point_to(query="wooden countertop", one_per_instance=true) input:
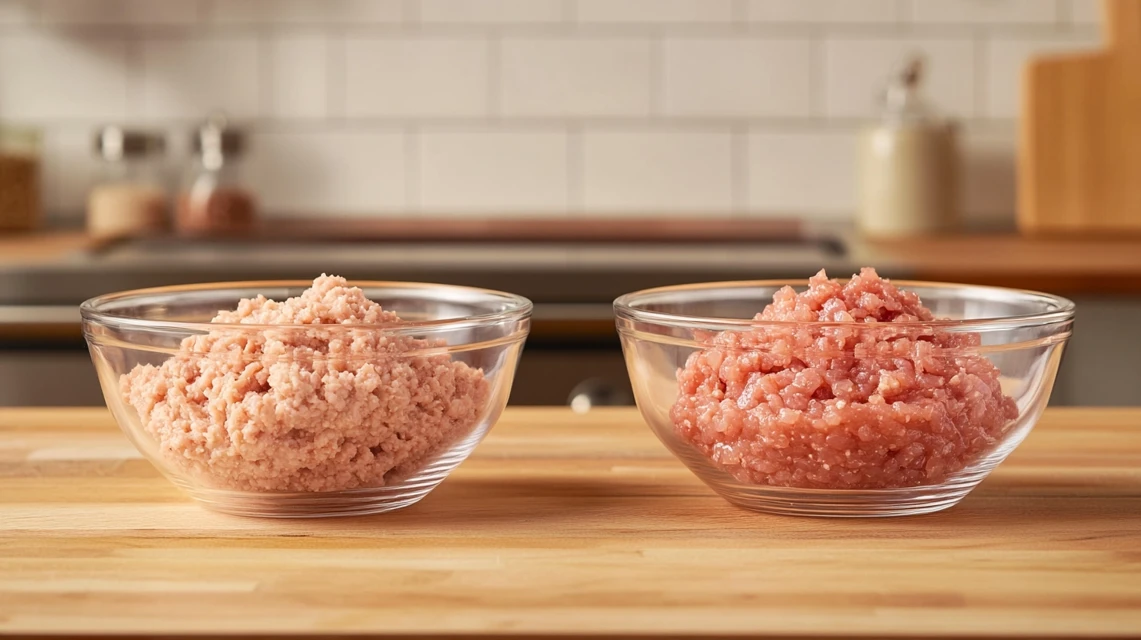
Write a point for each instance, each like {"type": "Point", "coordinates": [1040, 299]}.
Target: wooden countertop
{"type": "Point", "coordinates": [570, 525]}
{"type": "Point", "coordinates": [1057, 265]}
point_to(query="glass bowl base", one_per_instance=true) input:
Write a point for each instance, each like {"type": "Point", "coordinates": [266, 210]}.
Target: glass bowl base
{"type": "Point", "coordinates": [354, 502]}
{"type": "Point", "coordinates": [843, 504]}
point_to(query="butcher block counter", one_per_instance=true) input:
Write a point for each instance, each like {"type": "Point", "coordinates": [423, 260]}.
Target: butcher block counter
{"type": "Point", "coordinates": [569, 525]}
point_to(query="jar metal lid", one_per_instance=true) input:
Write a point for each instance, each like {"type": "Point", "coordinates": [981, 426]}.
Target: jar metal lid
{"type": "Point", "coordinates": [216, 137]}
{"type": "Point", "coordinates": [115, 143]}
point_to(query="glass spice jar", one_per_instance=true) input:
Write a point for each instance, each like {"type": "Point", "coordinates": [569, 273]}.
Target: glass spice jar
{"type": "Point", "coordinates": [213, 200]}
{"type": "Point", "coordinates": [130, 196]}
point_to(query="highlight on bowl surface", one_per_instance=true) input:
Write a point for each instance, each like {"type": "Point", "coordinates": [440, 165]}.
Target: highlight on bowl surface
{"type": "Point", "coordinates": [846, 398]}
{"type": "Point", "coordinates": [278, 399]}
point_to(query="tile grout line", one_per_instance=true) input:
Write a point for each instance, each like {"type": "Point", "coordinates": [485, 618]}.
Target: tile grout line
{"type": "Point", "coordinates": [575, 170]}
{"type": "Point", "coordinates": [739, 166]}
{"type": "Point", "coordinates": [336, 75]}
{"type": "Point", "coordinates": [265, 54]}
{"type": "Point", "coordinates": [657, 76]}
{"type": "Point", "coordinates": [494, 76]}
{"type": "Point", "coordinates": [134, 89]}
{"type": "Point", "coordinates": [981, 49]}
{"type": "Point", "coordinates": [817, 76]}
{"type": "Point", "coordinates": [412, 184]}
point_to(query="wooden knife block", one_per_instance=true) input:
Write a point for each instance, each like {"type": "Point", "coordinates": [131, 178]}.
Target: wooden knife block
{"type": "Point", "coordinates": [1080, 149]}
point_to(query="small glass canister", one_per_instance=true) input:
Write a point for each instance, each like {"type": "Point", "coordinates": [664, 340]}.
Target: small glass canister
{"type": "Point", "coordinates": [19, 178]}
{"type": "Point", "coordinates": [909, 164]}
{"type": "Point", "coordinates": [130, 197]}
{"type": "Point", "coordinates": [213, 199]}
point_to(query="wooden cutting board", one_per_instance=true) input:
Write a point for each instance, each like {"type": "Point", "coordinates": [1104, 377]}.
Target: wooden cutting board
{"type": "Point", "coordinates": [1080, 151]}
{"type": "Point", "coordinates": [563, 525]}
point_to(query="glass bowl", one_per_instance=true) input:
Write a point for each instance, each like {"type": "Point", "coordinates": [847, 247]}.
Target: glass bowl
{"type": "Point", "coordinates": [693, 351]}
{"type": "Point", "coordinates": [306, 420]}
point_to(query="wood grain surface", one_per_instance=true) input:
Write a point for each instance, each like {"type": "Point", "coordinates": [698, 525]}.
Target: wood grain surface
{"type": "Point", "coordinates": [1080, 149]}
{"type": "Point", "coordinates": [567, 525]}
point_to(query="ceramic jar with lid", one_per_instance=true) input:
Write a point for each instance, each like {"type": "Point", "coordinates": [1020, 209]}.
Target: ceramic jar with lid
{"type": "Point", "coordinates": [130, 197]}
{"type": "Point", "coordinates": [908, 164]}
{"type": "Point", "coordinates": [19, 178]}
{"type": "Point", "coordinates": [213, 199]}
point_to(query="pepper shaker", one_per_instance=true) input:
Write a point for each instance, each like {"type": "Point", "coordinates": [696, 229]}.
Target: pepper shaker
{"type": "Point", "coordinates": [213, 199]}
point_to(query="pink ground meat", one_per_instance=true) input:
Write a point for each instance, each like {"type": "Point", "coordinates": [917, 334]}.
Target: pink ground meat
{"type": "Point", "coordinates": [869, 403]}
{"type": "Point", "coordinates": [319, 409]}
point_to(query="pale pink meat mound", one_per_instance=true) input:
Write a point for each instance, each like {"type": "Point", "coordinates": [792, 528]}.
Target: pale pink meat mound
{"type": "Point", "coordinates": [869, 403]}
{"type": "Point", "coordinates": [299, 409]}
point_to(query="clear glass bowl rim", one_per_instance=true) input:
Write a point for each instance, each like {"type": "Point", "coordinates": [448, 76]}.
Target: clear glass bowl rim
{"type": "Point", "coordinates": [516, 307]}
{"type": "Point", "coordinates": [1056, 309]}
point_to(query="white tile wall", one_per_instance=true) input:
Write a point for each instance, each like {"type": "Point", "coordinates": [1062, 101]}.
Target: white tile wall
{"type": "Point", "coordinates": [416, 77]}
{"type": "Point", "coordinates": [544, 107]}
{"type": "Point", "coordinates": [572, 77]}
{"type": "Point", "coordinates": [157, 12]}
{"type": "Point", "coordinates": [656, 172]}
{"type": "Point", "coordinates": [297, 81]}
{"type": "Point", "coordinates": [185, 77]}
{"type": "Point", "coordinates": [80, 77]}
{"type": "Point", "coordinates": [654, 11]}
{"type": "Point", "coordinates": [857, 69]}
{"type": "Point", "coordinates": [1084, 12]}
{"type": "Point", "coordinates": [824, 11]}
{"type": "Point", "coordinates": [802, 173]}
{"type": "Point", "coordinates": [984, 12]}
{"type": "Point", "coordinates": [506, 171]}
{"type": "Point", "coordinates": [1005, 60]}
{"type": "Point", "coordinates": [349, 12]}
{"type": "Point", "coordinates": [16, 11]}
{"type": "Point", "coordinates": [357, 172]}
{"type": "Point", "coordinates": [742, 77]}
{"type": "Point", "coordinates": [466, 12]}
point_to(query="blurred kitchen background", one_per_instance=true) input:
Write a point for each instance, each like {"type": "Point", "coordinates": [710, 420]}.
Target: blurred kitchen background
{"type": "Point", "coordinates": [566, 150]}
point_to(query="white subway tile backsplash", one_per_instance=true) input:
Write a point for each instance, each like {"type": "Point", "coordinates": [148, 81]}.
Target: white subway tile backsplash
{"type": "Point", "coordinates": [824, 11]}
{"type": "Point", "coordinates": [493, 171]}
{"type": "Point", "coordinates": [298, 76]}
{"type": "Point", "coordinates": [410, 76]}
{"type": "Point", "coordinates": [812, 174]}
{"type": "Point", "coordinates": [13, 12]}
{"type": "Point", "coordinates": [652, 172]}
{"type": "Point", "coordinates": [857, 69]}
{"type": "Point", "coordinates": [187, 77]}
{"type": "Point", "coordinates": [336, 172]}
{"type": "Point", "coordinates": [490, 11]}
{"type": "Point", "coordinates": [741, 77]}
{"type": "Point", "coordinates": [984, 12]}
{"type": "Point", "coordinates": [654, 11]}
{"type": "Point", "coordinates": [575, 76]}
{"type": "Point", "coordinates": [1006, 59]}
{"type": "Point", "coordinates": [349, 12]}
{"type": "Point", "coordinates": [69, 171]}
{"type": "Point", "coordinates": [78, 77]}
{"type": "Point", "coordinates": [544, 107]}
{"type": "Point", "coordinates": [135, 12]}
{"type": "Point", "coordinates": [1085, 12]}
{"type": "Point", "coordinates": [989, 176]}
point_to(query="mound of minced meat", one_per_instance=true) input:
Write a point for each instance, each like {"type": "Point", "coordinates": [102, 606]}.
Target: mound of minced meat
{"type": "Point", "coordinates": [867, 403]}
{"type": "Point", "coordinates": [305, 409]}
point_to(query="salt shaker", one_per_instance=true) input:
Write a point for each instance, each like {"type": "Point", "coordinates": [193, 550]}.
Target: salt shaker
{"type": "Point", "coordinates": [908, 164]}
{"type": "Point", "coordinates": [130, 197]}
{"type": "Point", "coordinates": [213, 199]}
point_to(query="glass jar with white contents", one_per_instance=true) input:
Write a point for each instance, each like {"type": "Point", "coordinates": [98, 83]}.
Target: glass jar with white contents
{"type": "Point", "coordinates": [130, 197]}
